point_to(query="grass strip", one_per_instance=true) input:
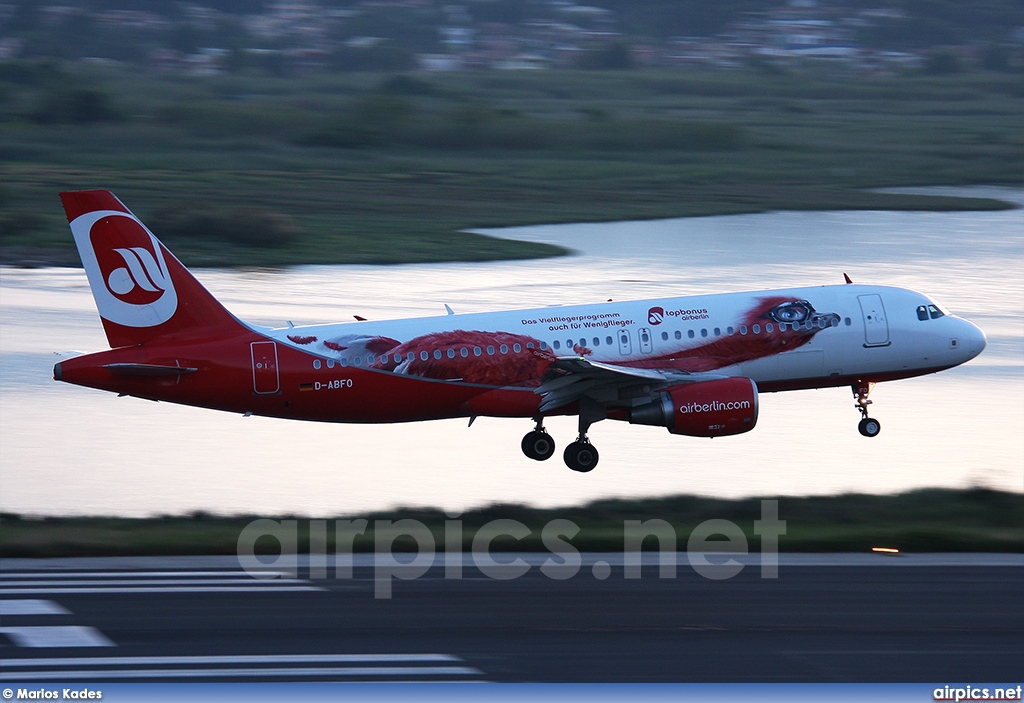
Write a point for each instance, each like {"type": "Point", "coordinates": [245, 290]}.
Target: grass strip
{"type": "Point", "coordinates": [926, 520]}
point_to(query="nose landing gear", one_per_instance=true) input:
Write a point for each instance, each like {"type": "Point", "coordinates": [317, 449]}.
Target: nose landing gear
{"type": "Point", "coordinates": [868, 426]}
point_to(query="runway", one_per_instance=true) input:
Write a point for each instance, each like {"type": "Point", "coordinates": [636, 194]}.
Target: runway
{"type": "Point", "coordinates": [825, 618]}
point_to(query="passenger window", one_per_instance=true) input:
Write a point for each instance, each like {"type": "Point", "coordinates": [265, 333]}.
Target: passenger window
{"type": "Point", "coordinates": [608, 340]}
{"type": "Point", "coordinates": [558, 345]}
{"type": "Point", "coordinates": [645, 338]}
{"type": "Point", "coordinates": [597, 341]}
{"type": "Point", "coordinates": [424, 356]}
{"type": "Point", "coordinates": [463, 352]}
{"type": "Point", "coordinates": [689, 333]}
{"type": "Point", "coordinates": [477, 351]}
{"type": "Point", "coordinates": [344, 361]}
{"type": "Point", "coordinates": [743, 329]}
{"type": "Point", "coordinates": [664, 336]}
{"type": "Point", "coordinates": [757, 329]}
{"type": "Point", "coordinates": [437, 353]}
{"type": "Point", "coordinates": [316, 363]}
{"type": "Point", "coordinates": [718, 331]}
{"type": "Point", "coordinates": [490, 349]}
{"type": "Point", "coordinates": [679, 335]}
{"type": "Point", "coordinates": [358, 361]}
{"type": "Point", "coordinates": [730, 331]}
{"type": "Point", "coordinates": [529, 345]}
{"type": "Point", "coordinates": [769, 327]}
{"type": "Point", "coordinates": [517, 348]}
{"type": "Point", "coordinates": [544, 345]}
{"type": "Point", "coordinates": [504, 349]}
{"type": "Point", "coordinates": [451, 353]}
{"type": "Point", "coordinates": [583, 342]}
{"type": "Point", "coordinates": [848, 322]}
{"type": "Point", "coordinates": [703, 333]}
{"type": "Point", "coordinates": [936, 313]}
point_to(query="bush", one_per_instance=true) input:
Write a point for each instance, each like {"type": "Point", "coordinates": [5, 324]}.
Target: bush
{"type": "Point", "coordinates": [247, 227]}
{"type": "Point", "coordinates": [942, 63]}
{"type": "Point", "coordinates": [995, 58]}
{"type": "Point", "coordinates": [78, 106]}
{"type": "Point", "coordinates": [14, 225]}
{"type": "Point", "coordinates": [612, 57]}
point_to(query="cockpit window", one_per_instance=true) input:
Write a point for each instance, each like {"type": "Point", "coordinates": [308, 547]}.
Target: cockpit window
{"type": "Point", "coordinates": [922, 312]}
{"type": "Point", "coordinates": [935, 311]}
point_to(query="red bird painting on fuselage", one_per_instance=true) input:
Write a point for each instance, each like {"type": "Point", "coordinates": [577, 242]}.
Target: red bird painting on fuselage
{"type": "Point", "coordinates": [775, 325]}
{"type": "Point", "coordinates": [782, 324]}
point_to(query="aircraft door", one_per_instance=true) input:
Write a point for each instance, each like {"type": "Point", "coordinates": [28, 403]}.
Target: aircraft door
{"type": "Point", "coordinates": [646, 345]}
{"type": "Point", "coordinates": [265, 379]}
{"type": "Point", "coordinates": [876, 327]}
{"type": "Point", "coordinates": [625, 345]}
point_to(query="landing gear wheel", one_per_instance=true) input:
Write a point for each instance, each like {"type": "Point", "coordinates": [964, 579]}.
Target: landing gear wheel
{"type": "Point", "coordinates": [869, 427]}
{"type": "Point", "coordinates": [538, 445]}
{"type": "Point", "coordinates": [580, 456]}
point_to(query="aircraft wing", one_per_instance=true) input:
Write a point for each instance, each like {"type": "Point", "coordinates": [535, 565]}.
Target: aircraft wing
{"type": "Point", "coordinates": [570, 378]}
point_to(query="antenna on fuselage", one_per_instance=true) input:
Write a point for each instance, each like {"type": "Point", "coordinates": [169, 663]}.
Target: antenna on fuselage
{"type": "Point", "coordinates": [847, 278]}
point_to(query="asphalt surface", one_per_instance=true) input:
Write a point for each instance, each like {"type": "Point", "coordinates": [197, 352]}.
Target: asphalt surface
{"type": "Point", "coordinates": [827, 618]}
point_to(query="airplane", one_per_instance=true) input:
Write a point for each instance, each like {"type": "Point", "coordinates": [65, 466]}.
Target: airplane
{"type": "Point", "coordinates": [694, 365]}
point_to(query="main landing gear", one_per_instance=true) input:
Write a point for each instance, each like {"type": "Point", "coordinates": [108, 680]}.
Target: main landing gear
{"type": "Point", "coordinates": [868, 426]}
{"type": "Point", "coordinates": [580, 455]}
{"type": "Point", "coordinates": [538, 444]}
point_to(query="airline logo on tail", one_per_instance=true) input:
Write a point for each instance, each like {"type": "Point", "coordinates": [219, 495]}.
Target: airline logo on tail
{"type": "Point", "coordinates": [126, 269]}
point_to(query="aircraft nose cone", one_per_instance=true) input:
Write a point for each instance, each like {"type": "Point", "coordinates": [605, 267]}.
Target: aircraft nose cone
{"type": "Point", "coordinates": [58, 373]}
{"type": "Point", "coordinates": [974, 340]}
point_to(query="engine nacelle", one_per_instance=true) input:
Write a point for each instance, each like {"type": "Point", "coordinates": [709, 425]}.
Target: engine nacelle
{"type": "Point", "coordinates": [725, 406]}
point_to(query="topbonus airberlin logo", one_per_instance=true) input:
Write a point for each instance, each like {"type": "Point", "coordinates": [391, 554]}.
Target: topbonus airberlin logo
{"type": "Point", "coordinates": [126, 269]}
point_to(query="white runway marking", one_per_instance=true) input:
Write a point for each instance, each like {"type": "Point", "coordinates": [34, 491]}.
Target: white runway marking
{"type": "Point", "coordinates": [57, 636]}
{"type": "Point", "coordinates": [141, 574]}
{"type": "Point", "coordinates": [78, 582]}
{"type": "Point", "coordinates": [152, 582]}
{"type": "Point", "coordinates": [56, 589]}
{"type": "Point", "coordinates": [232, 659]}
{"type": "Point", "coordinates": [367, 671]}
{"type": "Point", "coordinates": [32, 606]}
{"type": "Point", "coordinates": [379, 667]}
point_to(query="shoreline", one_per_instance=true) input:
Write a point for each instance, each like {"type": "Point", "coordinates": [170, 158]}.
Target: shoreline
{"type": "Point", "coordinates": [887, 199]}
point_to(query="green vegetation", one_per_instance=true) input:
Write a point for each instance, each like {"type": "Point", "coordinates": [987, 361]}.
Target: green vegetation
{"type": "Point", "coordinates": [247, 169]}
{"type": "Point", "coordinates": [974, 520]}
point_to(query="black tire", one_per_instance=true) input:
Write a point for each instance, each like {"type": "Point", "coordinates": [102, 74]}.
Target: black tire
{"type": "Point", "coordinates": [538, 445]}
{"type": "Point", "coordinates": [869, 427]}
{"type": "Point", "coordinates": [581, 456]}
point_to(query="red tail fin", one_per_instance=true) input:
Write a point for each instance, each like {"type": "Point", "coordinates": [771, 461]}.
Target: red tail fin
{"type": "Point", "coordinates": [141, 290]}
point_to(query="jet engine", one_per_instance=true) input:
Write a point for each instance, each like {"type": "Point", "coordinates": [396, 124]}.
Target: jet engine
{"type": "Point", "coordinates": [715, 408]}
